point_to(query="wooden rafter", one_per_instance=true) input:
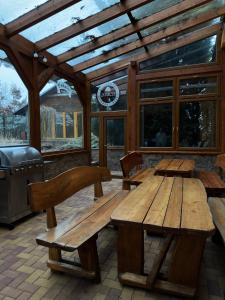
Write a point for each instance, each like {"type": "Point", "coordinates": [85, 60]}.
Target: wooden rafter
{"type": "Point", "coordinates": [162, 34]}
{"type": "Point", "coordinates": [161, 49]}
{"type": "Point", "coordinates": [132, 28]}
{"type": "Point", "coordinates": [36, 15]}
{"type": "Point", "coordinates": [27, 48]}
{"type": "Point", "coordinates": [89, 23]}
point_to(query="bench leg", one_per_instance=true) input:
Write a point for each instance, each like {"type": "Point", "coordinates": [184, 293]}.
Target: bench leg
{"type": "Point", "coordinates": [126, 186]}
{"type": "Point", "coordinates": [130, 248]}
{"type": "Point", "coordinates": [89, 257]}
{"type": "Point", "coordinates": [186, 261]}
{"type": "Point", "coordinates": [54, 254]}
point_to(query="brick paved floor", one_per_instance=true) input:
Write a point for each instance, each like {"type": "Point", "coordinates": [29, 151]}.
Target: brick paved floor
{"type": "Point", "coordinates": [24, 274]}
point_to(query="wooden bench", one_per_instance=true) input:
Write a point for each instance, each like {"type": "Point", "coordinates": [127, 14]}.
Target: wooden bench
{"type": "Point", "coordinates": [132, 168]}
{"type": "Point", "coordinates": [217, 207]}
{"type": "Point", "coordinates": [78, 232]}
{"type": "Point", "coordinates": [213, 181]}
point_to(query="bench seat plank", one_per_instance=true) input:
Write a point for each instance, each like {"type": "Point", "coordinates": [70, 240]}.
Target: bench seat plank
{"type": "Point", "coordinates": [49, 237]}
{"type": "Point", "coordinates": [217, 206]}
{"type": "Point", "coordinates": [140, 176]}
{"type": "Point", "coordinates": [90, 225]}
{"type": "Point", "coordinates": [211, 181]}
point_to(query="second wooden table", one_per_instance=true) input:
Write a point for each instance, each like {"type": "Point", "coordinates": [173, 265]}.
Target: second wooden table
{"type": "Point", "coordinates": [175, 167]}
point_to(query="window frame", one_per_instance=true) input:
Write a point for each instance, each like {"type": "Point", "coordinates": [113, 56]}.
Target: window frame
{"type": "Point", "coordinates": [176, 113]}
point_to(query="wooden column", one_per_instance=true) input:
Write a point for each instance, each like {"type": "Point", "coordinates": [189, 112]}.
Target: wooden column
{"type": "Point", "coordinates": [132, 107]}
{"type": "Point", "coordinates": [64, 124]}
{"type": "Point", "coordinates": [222, 125]}
{"type": "Point", "coordinates": [75, 124]}
{"type": "Point", "coordinates": [35, 130]}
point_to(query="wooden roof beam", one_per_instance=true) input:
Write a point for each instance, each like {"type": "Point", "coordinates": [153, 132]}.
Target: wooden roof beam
{"type": "Point", "coordinates": [162, 34]}
{"type": "Point", "coordinates": [161, 49]}
{"type": "Point", "coordinates": [28, 48]}
{"type": "Point", "coordinates": [89, 23]}
{"type": "Point", "coordinates": [37, 15]}
{"type": "Point", "coordinates": [130, 29]}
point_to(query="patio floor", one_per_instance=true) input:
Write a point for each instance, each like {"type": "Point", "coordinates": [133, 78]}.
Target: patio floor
{"type": "Point", "coordinates": [24, 274]}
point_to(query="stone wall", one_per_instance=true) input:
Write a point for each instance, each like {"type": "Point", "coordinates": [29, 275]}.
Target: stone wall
{"type": "Point", "coordinates": [201, 161]}
{"type": "Point", "coordinates": [65, 162]}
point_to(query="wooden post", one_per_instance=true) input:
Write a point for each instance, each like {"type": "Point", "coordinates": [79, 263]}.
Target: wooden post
{"type": "Point", "coordinates": [222, 131]}
{"type": "Point", "coordinates": [132, 107]}
{"type": "Point", "coordinates": [75, 124]}
{"type": "Point", "coordinates": [35, 119]}
{"type": "Point", "coordinates": [64, 124]}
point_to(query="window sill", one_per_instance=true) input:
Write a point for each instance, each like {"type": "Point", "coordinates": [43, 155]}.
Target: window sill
{"type": "Point", "coordinates": [55, 154]}
{"type": "Point", "coordinates": [168, 151]}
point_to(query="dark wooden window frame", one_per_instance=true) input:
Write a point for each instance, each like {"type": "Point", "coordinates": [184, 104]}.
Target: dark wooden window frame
{"type": "Point", "coordinates": [175, 101]}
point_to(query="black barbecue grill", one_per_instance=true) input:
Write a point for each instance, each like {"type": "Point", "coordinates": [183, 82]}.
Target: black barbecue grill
{"type": "Point", "coordinates": [18, 167]}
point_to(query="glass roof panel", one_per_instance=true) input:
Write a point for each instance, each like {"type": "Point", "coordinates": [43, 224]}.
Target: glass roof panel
{"type": "Point", "coordinates": [13, 9]}
{"type": "Point", "coordinates": [90, 35]}
{"type": "Point", "coordinates": [69, 16]}
{"type": "Point", "coordinates": [3, 55]}
{"type": "Point", "coordinates": [114, 60]}
{"type": "Point", "coordinates": [152, 8]}
{"type": "Point", "coordinates": [104, 49]}
{"type": "Point", "coordinates": [183, 17]}
{"type": "Point", "coordinates": [202, 51]}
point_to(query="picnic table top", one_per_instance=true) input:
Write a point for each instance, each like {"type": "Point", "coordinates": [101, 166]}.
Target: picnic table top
{"type": "Point", "coordinates": [171, 204]}
{"type": "Point", "coordinates": [176, 165]}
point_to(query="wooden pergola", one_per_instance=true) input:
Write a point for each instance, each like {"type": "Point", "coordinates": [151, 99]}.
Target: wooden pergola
{"type": "Point", "coordinates": [35, 73]}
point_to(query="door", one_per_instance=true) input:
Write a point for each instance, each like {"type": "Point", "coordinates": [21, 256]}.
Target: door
{"type": "Point", "coordinates": [114, 141]}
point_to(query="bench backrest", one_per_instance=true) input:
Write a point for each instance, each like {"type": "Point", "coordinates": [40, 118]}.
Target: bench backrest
{"type": "Point", "coordinates": [130, 161]}
{"type": "Point", "coordinates": [44, 195]}
{"type": "Point", "coordinates": [220, 163]}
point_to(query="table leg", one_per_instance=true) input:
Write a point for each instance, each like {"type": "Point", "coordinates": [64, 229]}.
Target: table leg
{"type": "Point", "coordinates": [130, 248]}
{"type": "Point", "coordinates": [186, 260]}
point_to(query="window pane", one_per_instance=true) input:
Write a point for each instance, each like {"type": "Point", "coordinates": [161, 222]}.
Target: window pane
{"type": "Point", "coordinates": [110, 93]}
{"type": "Point", "coordinates": [160, 89]}
{"type": "Point", "coordinates": [198, 124]}
{"type": "Point", "coordinates": [156, 125]}
{"type": "Point", "coordinates": [198, 86]}
{"type": "Point", "coordinates": [200, 52]}
{"type": "Point", "coordinates": [11, 10]}
{"type": "Point", "coordinates": [152, 8]}
{"type": "Point", "coordinates": [69, 16]}
{"type": "Point", "coordinates": [103, 50]}
{"type": "Point", "coordinates": [90, 35]}
{"type": "Point", "coordinates": [61, 116]}
{"type": "Point", "coordinates": [94, 132]}
{"type": "Point", "coordinates": [115, 132]}
{"type": "Point", "coordinates": [14, 108]}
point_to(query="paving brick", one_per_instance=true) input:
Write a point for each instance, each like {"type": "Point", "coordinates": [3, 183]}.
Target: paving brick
{"type": "Point", "coordinates": [26, 269]}
{"type": "Point", "coordinates": [24, 296]}
{"type": "Point", "coordinates": [28, 287]}
{"type": "Point", "coordinates": [11, 292]}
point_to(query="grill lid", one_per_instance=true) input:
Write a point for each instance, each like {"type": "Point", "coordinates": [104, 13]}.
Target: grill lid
{"type": "Point", "coordinates": [19, 156]}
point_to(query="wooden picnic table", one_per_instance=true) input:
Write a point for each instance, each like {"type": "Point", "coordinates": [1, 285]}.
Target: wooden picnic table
{"type": "Point", "coordinates": [173, 167]}
{"type": "Point", "coordinates": [173, 205]}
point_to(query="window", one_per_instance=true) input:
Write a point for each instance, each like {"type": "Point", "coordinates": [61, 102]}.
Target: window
{"type": "Point", "coordinates": [156, 125]}
{"type": "Point", "coordinates": [14, 108]}
{"type": "Point", "coordinates": [156, 89]}
{"type": "Point", "coordinates": [110, 93]}
{"type": "Point", "coordinates": [179, 115]}
{"type": "Point", "coordinates": [197, 124]}
{"type": "Point", "coordinates": [198, 86]}
{"type": "Point", "coordinates": [61, 116]}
